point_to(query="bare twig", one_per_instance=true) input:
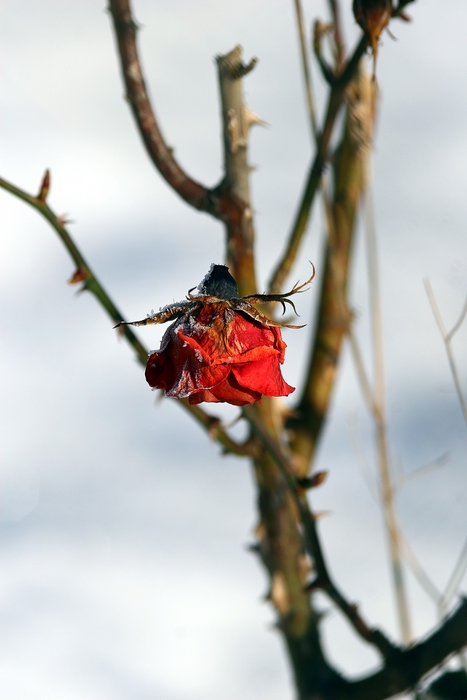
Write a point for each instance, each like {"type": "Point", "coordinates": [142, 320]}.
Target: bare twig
{"type": "Point", "coordinates": [418, 471]}
{"type": "Point", "coordinates": [306, 69]}
{"type": "Point", "coordinates": [409, 555]}
{"type": "Point", "coordinates": [161, 155]}
{"type": "Point", "coordinates": [225, 202]}
{"type": "Point", "coordinates": [379, 415]}
{"type": "Point", "coordinates": [90, 282]}
{"type": "Point", "coordinates": [337, 31]}
{"type": "Point", "coordinates": [403, 668]}
{"type": "Point", "coordinates": [447, 337]}
{"type": "Point", "coordinates": [454, 581]}
{"type": "Point", "coordinates": [408, 666]}
{"type": "Point", "coordinates": [362, 461]}
{"type": "Point", "coordinates": [333, 315]}
{"type": "Point", "coordinates": [418, 571]}
{"type": "Point", "coordinates": [459, 321]}
{"type": "Point", "coordinates": [287, 260]}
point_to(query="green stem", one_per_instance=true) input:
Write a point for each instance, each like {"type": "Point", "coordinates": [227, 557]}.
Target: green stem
{"type": "Point", "coordinates": [336, 98]}
{"type": "Point", "coordinates": [92, 284]}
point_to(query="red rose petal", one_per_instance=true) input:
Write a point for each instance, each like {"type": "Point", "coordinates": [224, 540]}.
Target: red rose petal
{"type": "Point", "coordinates": [227, 391]}
{"type": "Point", "coordinates": [263, 376]}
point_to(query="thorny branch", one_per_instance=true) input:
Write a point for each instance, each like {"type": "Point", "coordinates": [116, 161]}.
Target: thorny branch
{"type": "Point", "coordinates": [408, 666]}
{"type": "Point", "coordinates": [90, 283]}
{"type": "Point", "coordinates": [323, 579]}
{"type": "Point", "coordinates": [402, 668]}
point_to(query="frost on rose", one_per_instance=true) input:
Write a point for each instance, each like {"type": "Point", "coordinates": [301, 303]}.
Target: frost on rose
{"type": "Point", "coordinates": [219, 348]}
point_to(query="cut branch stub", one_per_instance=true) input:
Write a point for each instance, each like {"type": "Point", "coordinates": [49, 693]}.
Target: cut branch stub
{"type": "Point", "coordinates": [237, 120]}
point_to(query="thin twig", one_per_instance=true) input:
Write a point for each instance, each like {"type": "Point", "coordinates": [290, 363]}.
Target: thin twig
{"type": "Point", "coordinates": [92, 284]}
{"type": "Point", "coordinates": [418, 471]}
{"type": "Point", "coordinates": [459, 322]}
{"type": "Point", "coordinates": [447, 342]}
{"type": "Point", "coordinates": [409, 556]}
{"type": "Point", "coordinates": [323, 577]}
{"type": "Point", "coordinates": [333, 315]}
{"type": "Point", "coordinates": [338, 35]}
{"type": "Point", "coordinates": [418, 571]}
{"type": "Point", "coordinates": [454, 581]}
{"type": "Point", "coordinates": [306, 69]}
{"type": "Point", "coordinates": [362, 461]}
{"type": "Point", "coordinates": [362, 375]}
{"type": "Point", "coordinates": [387, 488]}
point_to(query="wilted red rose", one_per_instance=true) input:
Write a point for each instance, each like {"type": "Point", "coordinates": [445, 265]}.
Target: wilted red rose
{"type": "Point", "coordinates": [219, 355]}
{"type": "Point", "coordinates": [220, 348]}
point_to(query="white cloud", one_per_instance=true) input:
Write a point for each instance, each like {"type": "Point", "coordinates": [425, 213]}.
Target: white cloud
{"type": "Point", "coordinates": [127, 576]}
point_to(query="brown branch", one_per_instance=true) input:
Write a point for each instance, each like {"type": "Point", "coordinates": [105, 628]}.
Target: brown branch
{"type": "Point", "coordinates": [333, 315]}
{"type": "Point", "coordinates": [337, 31]}
{"type": "Point", "coordinates": [90, 283]}
{"type": "Point", "coordinates": [161, 155]}
{"type": "Point", "coordinates": [403, 668]}
{"type": "Point", "coordinates": [336, 97]}
{"type": "Point", "coordinates": [323, 578]}
{"type": "Point", "coordinates": [226, 201]}
{"type": "Point", "coordinates": [408, 666]}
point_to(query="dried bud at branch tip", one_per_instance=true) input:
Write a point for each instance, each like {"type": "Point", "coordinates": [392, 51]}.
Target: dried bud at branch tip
{"type": "Point", "coordinates": [311, 482]}
{"type": "Point", "coordinates": [44, 188]}
{"type": "Point", "coordinates": [78, 276]}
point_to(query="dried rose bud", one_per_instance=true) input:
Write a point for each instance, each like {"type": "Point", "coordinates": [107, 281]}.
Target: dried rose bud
{"type": "Point", "coordinates": [78, 276]}
{"type": "Point", "coordinates": [312, 481]}
{"type": "Point", "coordinates": [219, 348]}
{"type": "Point", "coordinates": [373, 16]}
{"type": "Point", "coordinates": [44, 188]}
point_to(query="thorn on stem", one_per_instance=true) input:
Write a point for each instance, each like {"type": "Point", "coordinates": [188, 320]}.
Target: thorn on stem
{"type": "Point", "coordinates": [63, 220]}
{"type": "Point", "coordinates": [314, 585]}
{"type": "Point", "coordinates": [120, 329]}
{"type": "Point", "coordinates": [311, 482]}
{"type": "Point", "coordinates": [253, 547]}
{"type": "Point", "coordinates": [213, 426]}
{"type": "Point", "coordinates": [79, 276]}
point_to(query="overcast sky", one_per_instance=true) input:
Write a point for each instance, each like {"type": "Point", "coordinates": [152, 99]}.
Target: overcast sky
{"type": "Point", "coordinates": [123, 530]}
